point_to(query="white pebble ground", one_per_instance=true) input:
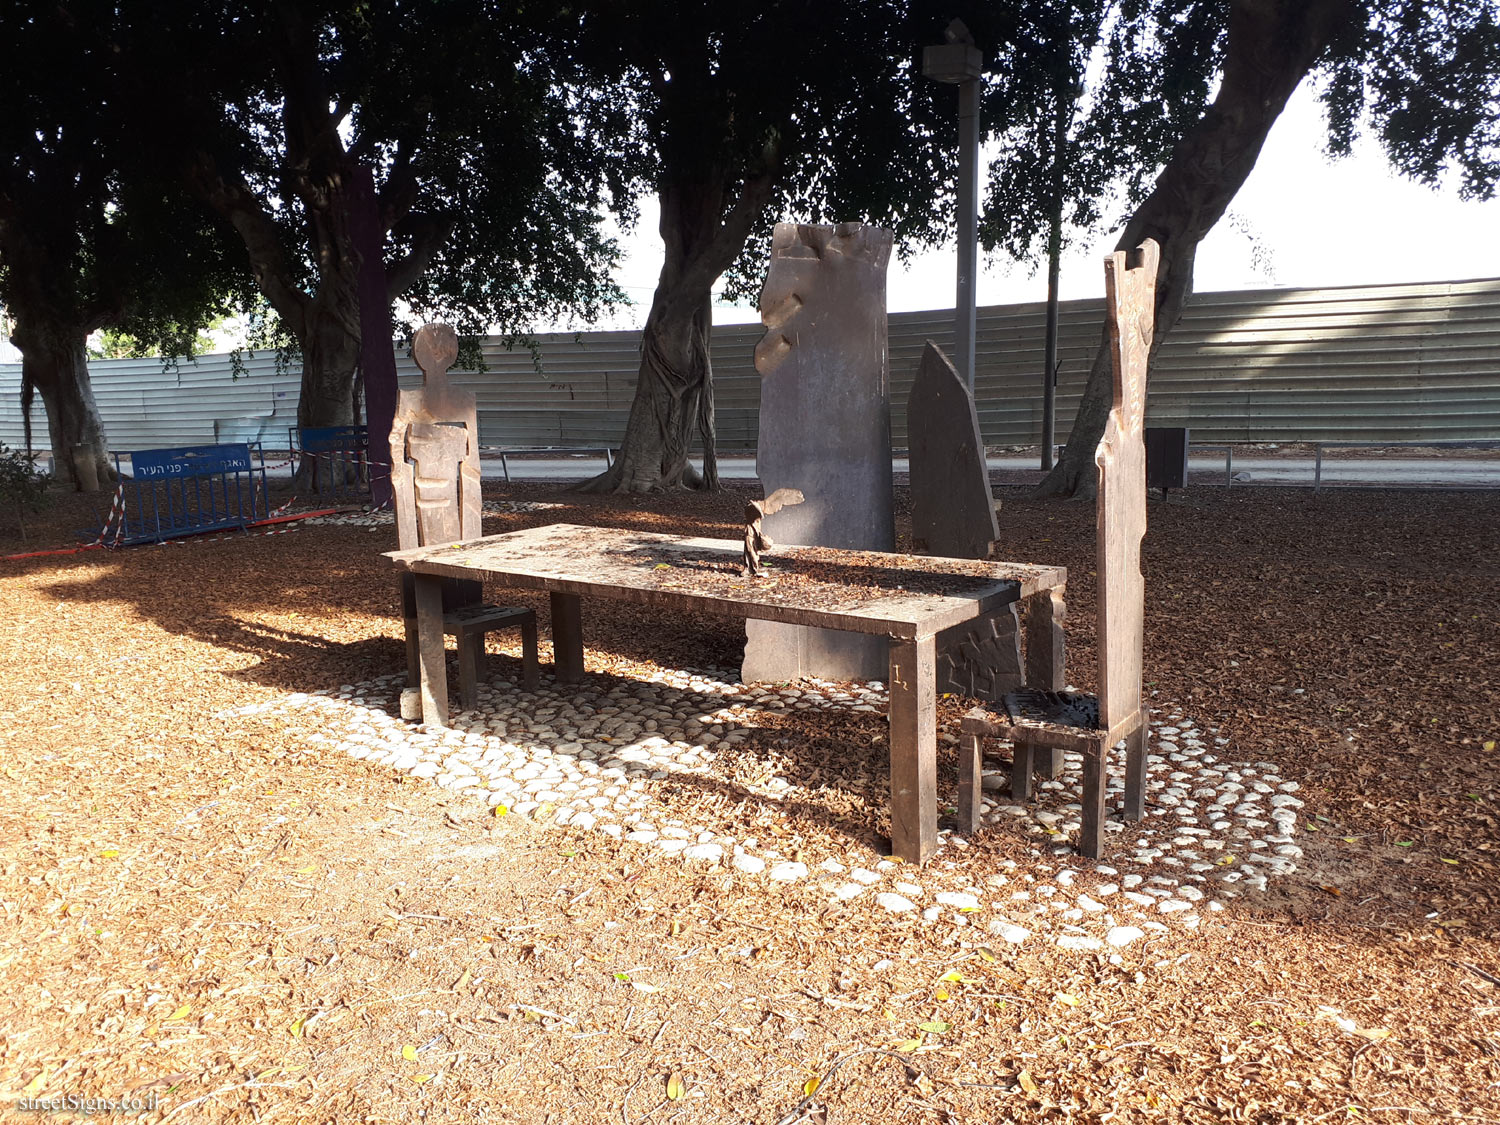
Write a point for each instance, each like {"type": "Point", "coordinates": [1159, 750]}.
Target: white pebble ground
{"type": "Point", "coordinates": [589, 755]}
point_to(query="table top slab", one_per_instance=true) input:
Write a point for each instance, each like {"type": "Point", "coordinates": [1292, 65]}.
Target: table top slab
{"type": "Point", "coordinates": [858, 591]}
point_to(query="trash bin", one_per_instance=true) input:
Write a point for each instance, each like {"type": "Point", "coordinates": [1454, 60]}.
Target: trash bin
{"type": "Point", "coordinates": [1166, 457]}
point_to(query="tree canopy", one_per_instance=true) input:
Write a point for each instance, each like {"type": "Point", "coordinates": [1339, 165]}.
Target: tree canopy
{"type": "Point", "coordinates": [486, 176]}
{"type": "Point", "coordinates": [1082, 105]}
{"type": "Point", "coordinates": [1422, 75]}
{"type": "Point", "coordinates": [754, 113]}
{"type": "Point", "coordinates": [92, 232]}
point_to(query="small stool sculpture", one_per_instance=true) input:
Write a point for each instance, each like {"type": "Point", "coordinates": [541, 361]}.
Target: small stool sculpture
{"type": "Point", "coordinates": [1093, 724]}
{"type": "Point", "coordinates": [435, 494]}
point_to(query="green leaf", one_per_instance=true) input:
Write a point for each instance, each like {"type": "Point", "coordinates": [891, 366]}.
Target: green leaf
{"type": "Point", "coordinates": [935, 1027]}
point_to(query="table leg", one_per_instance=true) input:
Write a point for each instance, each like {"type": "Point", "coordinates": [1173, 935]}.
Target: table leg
{"type": "Point", "coordinates": [567, 637]}
{"type": "Point", "coordinates": [529, 671]}
{"type": "Point", "coordinates": [970, 782]}
{"type": "Point", "coordinates": [430, 654]}
{"type": "Point", "coordinates": [1025, 756]}
{"type": "Point", "coordinates": [1135, 769]}
{"type": "Point", "coordinates": [913, 737]}
{"type": "Point", "coordinates": [1045, 657]}
{"type": "Point", "coordinates": [1045, 644]}
{"type": "Point", "coordinates": [1091, 833]}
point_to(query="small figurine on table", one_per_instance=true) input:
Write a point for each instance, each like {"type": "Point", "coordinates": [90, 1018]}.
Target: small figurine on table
{"type": "Point", "coordinates": [756, 540]}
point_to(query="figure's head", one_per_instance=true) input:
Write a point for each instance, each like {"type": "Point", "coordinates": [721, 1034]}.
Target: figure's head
{"type": "Point", "coordinates": [435, 348]}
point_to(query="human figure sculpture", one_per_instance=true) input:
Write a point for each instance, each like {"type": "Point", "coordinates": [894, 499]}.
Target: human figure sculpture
{"type": "Point", "coordinates": [434, 443]}
{"type": "Point", "coordinates": [756, 540]}
{"type": "Point", "coordinates": [435, 451]}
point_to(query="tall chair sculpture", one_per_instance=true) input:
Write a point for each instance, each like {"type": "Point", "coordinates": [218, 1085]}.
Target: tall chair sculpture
{"type": "Point", "coordinates": [1094, 724]}
{"type": "Point", "coordinates": [435, 494]}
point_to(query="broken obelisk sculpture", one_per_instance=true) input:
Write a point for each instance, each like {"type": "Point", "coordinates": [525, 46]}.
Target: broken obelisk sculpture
{"type": "Point", "coordinates": [825, 427]}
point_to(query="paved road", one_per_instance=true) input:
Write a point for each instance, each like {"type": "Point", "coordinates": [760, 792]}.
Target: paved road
{"type": "Point", "coordinates": [1447, 472]}
{"type": "Point", "coordinates": [1204, 469]}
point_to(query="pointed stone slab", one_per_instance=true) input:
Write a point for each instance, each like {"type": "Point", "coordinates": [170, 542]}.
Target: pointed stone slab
{"type": "Point", "coordinates": [953, 514]}
{"type": "Point", "coordinates": [952, 507]}
{"type": "Point", "coordinates": [825, 426]}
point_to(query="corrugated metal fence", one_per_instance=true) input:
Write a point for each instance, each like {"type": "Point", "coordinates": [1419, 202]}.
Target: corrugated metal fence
{"type": "Point", "coordinates": [1382, 363]}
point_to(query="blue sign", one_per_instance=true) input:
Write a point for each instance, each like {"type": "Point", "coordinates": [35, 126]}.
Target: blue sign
{"type": "Point", "coordinates": [331, 439]}
{"type": "Point", "coordinates": [189, 461]}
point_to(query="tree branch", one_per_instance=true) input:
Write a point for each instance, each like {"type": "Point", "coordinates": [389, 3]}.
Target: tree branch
{"type": "Point", "coordinates": [399, 194]}
{"type": "Point", "coordinates": [101, 312]}
{"type": "Point", "coordinates": [268, 261]}
{"type": "Point", "coordinates": [719, 253]}
{"type": "Point", "coordinates": [428, 233]}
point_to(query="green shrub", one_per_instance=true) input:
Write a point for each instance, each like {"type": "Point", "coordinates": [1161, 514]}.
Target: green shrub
{"type": "Point", "coordinates": [23, 487]}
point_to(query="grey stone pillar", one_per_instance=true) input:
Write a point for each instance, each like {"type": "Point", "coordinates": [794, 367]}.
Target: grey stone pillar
{"type": "Point", "coordinates": [825, 427]}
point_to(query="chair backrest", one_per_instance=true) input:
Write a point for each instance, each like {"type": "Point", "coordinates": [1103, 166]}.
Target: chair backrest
{"type": "Point", "coordinates": [435, 450]}
{"type": "Point", "coordinates": [1130, 307]}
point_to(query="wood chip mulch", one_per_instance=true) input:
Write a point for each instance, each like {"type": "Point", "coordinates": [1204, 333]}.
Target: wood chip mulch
{"type": "Point", "coordinates": [211, 912]}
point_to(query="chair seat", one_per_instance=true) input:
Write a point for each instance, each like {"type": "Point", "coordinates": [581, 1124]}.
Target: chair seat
{"type": "Point", "coordinates": [469, 624]}
{"type": "Point", "coordinates": [1073, 715]}
{"type": "Point", "coordinates": [1062, 720]}
{"type": "Point", "coordinates": [485, 616]}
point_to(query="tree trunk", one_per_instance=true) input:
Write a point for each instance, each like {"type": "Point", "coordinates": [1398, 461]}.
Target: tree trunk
{"type": "Point", "coordinates": [1272, 45]}
{"type": "Point", "coordinates": [377, 356]}
{"type": "Point", "coordinates": [673, 401]}
{"type": "Point", "coordinates": [330, 355]}
{"type": "Point", "coordinates": [674, 389]}
{"type": "Point", "coordinates": [331, 345]}
{"type": "Point", "coordinates": [54, 361]}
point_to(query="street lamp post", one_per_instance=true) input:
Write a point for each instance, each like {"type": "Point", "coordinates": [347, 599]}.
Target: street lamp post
{"type": "Point", "coordinates": [958, 62]}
